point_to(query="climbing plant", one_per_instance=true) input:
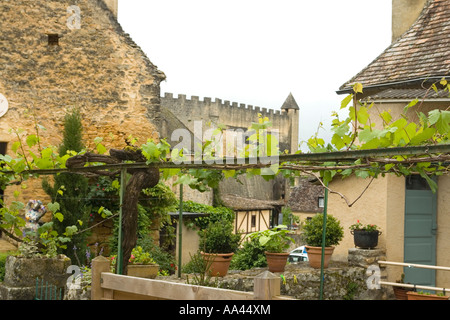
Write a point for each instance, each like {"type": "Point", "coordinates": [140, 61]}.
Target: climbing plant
{"type": "Point", "coordinates": [358, 148]}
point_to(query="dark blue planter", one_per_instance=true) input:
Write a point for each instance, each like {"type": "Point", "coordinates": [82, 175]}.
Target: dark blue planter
{"type": "Point", "coordinates": [365, 239]}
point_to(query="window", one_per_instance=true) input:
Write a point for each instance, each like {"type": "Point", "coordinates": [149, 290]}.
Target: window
{"type": "Point", "coordinates": [321, 202]}
{"type": "Point", "coordinates": [3, 146]}
{"type": "Point", "coordinates": [53, 39]}
{"type": "Point", "coordinates": [253, 221]}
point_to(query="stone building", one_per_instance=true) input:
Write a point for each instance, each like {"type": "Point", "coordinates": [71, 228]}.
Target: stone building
{"type": "Point", "coordinates": [306, 199]}
{"type": "Point", "coordinates": [414, 221]}
{"type": "Point", "coordinates": [56, 56]}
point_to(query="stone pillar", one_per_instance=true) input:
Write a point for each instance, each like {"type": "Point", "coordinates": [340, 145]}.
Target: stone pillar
{"type": "Point", "coordinates": [365, 257]}
{"type": "Point", "coordinates": [368, 259]}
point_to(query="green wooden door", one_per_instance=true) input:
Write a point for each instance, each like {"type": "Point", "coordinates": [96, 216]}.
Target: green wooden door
{"type": "Point", "coordinates": [420, 231]}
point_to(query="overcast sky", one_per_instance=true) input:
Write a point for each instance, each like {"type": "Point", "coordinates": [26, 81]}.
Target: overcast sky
{"type": "Point", "coordinates": [257, 51]}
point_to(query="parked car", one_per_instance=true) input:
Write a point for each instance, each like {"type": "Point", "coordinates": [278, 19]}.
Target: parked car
{"type": "Point", "coordinates": [298, 254]}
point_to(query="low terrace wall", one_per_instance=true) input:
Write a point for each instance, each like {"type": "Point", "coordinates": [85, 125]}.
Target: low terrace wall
{"type": "Point", "coordinates": [355, 280]}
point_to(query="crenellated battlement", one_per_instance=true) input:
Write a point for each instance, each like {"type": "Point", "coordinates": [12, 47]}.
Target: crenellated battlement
{"type": "Point", "coordinates": [207, 101]}
{"type": "Point", "coordinates": [233, 114]}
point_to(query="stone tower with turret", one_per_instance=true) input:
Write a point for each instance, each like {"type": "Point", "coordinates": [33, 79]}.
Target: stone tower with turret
{"type": "Point", "coordinates": [232, 115]}
{"type": "Point", "coordinates": [404, 13]}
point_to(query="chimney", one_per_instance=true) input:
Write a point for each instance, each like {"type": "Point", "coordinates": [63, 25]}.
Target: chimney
{"type": "Point", "coordinates": [113, 5]}
{"type": "Point", "coordinates": [404, 14]}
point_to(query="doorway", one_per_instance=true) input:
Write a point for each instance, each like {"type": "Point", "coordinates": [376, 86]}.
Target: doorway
{"type": "Point", "coordinates": [420, 231]}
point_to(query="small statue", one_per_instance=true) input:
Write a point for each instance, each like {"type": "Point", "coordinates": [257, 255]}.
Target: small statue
{"type": "Point", "coordinates": [34, 211]}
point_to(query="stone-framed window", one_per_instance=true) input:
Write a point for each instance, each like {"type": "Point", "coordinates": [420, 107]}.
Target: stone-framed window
{"type": "Point", "coordinates": [53, 39]}
{"type": "Point", "coordinates": [320, 202]}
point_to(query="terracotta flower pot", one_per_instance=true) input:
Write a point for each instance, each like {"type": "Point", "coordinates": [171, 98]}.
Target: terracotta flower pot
{"type": "Point", "coordinates": [149, 271]}
{"type": "Point", "coordinates": [315, 256]}
{"type": "Point", "coordinates": [417, 296]}
{"type": "Point", "coordinates": [400, 293]}
{"type": "Point", "coordinates": [276, 261]}
{"type": "Point", "coordinates": [220, 263]}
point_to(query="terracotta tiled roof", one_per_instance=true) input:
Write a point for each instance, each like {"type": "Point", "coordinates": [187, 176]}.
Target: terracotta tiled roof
{"type": "Point", "coordinates": [304, 197]}
{"type": "Point", "coordinates": [421, 52]}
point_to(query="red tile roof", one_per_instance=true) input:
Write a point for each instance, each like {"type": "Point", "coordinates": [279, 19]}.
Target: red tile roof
{"type": "Point", "coordinates": [421, 52]}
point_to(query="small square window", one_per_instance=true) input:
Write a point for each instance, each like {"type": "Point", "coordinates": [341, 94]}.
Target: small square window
{"type": "Point", "coordinates": [53, 39]}
{"type": "Point", "coordinates": [321, 202]}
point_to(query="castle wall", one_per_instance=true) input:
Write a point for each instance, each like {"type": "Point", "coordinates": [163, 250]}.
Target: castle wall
{"type": "Point", "coordinates": [232, 114]}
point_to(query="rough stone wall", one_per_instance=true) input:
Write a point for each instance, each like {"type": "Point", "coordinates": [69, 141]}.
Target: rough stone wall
{"type": "Point", "coordinates": [21, 274]}
{"type": "Point", "coordinates": [96, 68]}
{"type": "Point", "coordinates": [342, 281]}
{"type": "Point", "coordinates": [354, 280]}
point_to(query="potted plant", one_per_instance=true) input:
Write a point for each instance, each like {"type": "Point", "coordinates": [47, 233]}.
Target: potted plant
{"type": "Point", "coordinates": [275, 242]}
{"type": "Point", "coordinates": [400, 292]}
{"type": "Point", "coordinates": [422, 295]}
{"type": "Point", "coordinates": [312, 232]}
{"type": "Point", "coordinates": [365, 237]}
{"type": "Point", "coordinates": [218, 242]}
{"type": "Point", "coordinates": [141, 264]}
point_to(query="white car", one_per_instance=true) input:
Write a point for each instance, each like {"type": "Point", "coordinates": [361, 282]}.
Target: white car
{"type": "Point", "coordinates": [298, 254]}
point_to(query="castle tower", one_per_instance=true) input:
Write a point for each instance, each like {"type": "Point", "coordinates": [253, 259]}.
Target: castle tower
{"type": "Point", "coordinates": [290, 106]}
{"type": "Point", "coordinates": [113, 5]}
{"type": "Point", "coordinates": [404, 13]}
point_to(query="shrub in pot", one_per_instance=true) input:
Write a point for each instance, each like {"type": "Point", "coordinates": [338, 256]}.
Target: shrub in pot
{"type": "Point", "coordinates": [400, 292]}
{"type": "Point", "coordinates": [275, 242]}
{"type": "Point", "coordinates": [313, 230]}
{"type": "Point", "coordinates": [250, 255]}
{"type": "Point", "coordinates": [218, 242]}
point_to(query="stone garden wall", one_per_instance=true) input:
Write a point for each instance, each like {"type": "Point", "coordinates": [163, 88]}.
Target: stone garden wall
{"type": "Point", "coordinates": [355, 280]}
{"type": "Point", "coordinates": [21, 275]}
{"type": "Point", "coordinates": [343, 281]}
